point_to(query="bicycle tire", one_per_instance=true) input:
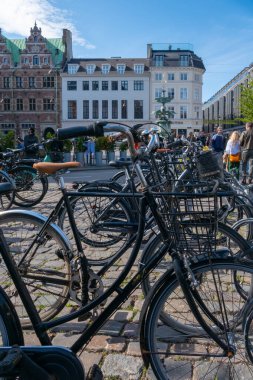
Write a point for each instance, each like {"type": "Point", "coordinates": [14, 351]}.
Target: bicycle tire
{"type": "Point", "coordinates": [30, 186]}
{"type": "Point", "coordinates": [6, 199]}
{"type": "Point", "coordinates": [175, 354]}
{"type": "Point", "coordinates": [228, 243]}
{"type": "Point", "coordinates": [46, 271]}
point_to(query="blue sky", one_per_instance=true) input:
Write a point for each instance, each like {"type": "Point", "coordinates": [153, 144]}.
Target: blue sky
{"type": "Point", "coordinates": [220, 30]}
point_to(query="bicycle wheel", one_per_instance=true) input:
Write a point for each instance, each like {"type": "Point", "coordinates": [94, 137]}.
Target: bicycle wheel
{"type": "Point", "coordinates": [31, 187]}
{"type": "Point", "coordinates": [43, 264]}
{"type": "Point", "coordinates": [227, 243]}
{"type": "Point", "coordinates": [104, 224]}
{"type": "Point", "coordinates": [6, 199]}
{"type": "Point", "coordinates": [176, 354]}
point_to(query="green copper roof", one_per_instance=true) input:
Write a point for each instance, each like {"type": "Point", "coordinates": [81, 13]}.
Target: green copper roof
{"type": "Point", "coordinates": [15, 45]}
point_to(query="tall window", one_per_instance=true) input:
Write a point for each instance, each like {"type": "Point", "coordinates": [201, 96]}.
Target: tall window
{"type": "Point", "coordinates": [72, 69]}
{"type": "Point", "coordinates": [105, 85]}
{"type": "Point", "coordinates": [36, 60]}
{"type": "Point", "coordinates": [183, 112]}
{"type": "Point", "coordinates": [158, 92]}
{"type": "Point", "coordinates": [105, 69]}
{"type": "Point", "coordinates": [197, 77]}
{"type": "Point", "coordinates": [19, 104]}
{"type": "Point", "coordinates": [158, 76]}
{"type": "Point", "coordinates": [172, 110]}
{"type": "Point", "coordinates": [123, 109]}
{"type": "Point", "coordinates": [31, 82]}
{"type": "Point", "coordinates": [183, 76]}
{"type": "Point", "coordinates": [90, 69]}
{"type": "Point", "coordinates": [19, 82]}
{"type": "Point", "coordinates": [86, 109]}
{"type": "Point", "coordinates": [159, 60]}
{"type": "Point", "coordinates": [196, 94]}
{"type": "Point", "coordinates": [71, 85]}
{"type": "Point", "coordinates": [48, 104]}
{"type": "Point", "coordinates": [7, 104]}
{"type": "Point", "coordinates": [32, 104]}
{"type": "Point", "coordinates": [138, 109]}
{"type": "Point", "coordinates": [114, 85]}
{"type": "Point", "coordinates": [171, 76]}
{"type": "Point", "coordinates": [171, 93]}
{"type": "Point", "coordinates": [114, 109]}
{"type": "Point", "coordinates": [104, 109]}
{"type": "Point", "coordinates": [138, 85]}
{"type": "Point", "coordinates": [6, 82]}
{"type": "Point", "coordinates": [139, 68]}
{"type": "Point", "coordinates": [121, 69]}
{"type": "Point", "coordinates": [95, 85]}
{"type": "Point", "coordinates": [86, 85]}
{"type": "Point", "coordinates": [95, 109]}
{"type": "Point", "coordinates": [48, 82]}
{"type": "Point", "coordinates": [184, 60]}
{"type": "Point", "coordinates": [196, 109]}
{"type": "Point", "coordinates": [183, 93]}
{"type": "Point", "coordinates": [124, 85]}
{"type": "Point", "coordinates": [72, 110]}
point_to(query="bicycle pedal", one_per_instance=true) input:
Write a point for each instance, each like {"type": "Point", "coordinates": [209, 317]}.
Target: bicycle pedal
{"type": "Point", "coordinates": [95, 373]}
{"type": "Point", "coordinates": [84, 317]}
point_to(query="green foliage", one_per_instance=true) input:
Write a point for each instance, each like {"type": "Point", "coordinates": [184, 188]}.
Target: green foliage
{"type": "Point", "coordinates": [67, 146]}
{"type": "Point", "coordinates": [123, 146]}
{"type": "Point", "coordinates": [110, 144]}
{"type": "Point", "coordinates": [80, 147]}
{"type": "Point", "coordinates": [246, 102]}
{"type": "Point", "coordinates": [7, 141]}
{"type": "Point", "coordinates": [101, 143]}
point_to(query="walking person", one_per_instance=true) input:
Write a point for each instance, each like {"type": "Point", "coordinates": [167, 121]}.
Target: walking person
{"type": "Point", "coordinates": [232, 154]}
{"type": "Point", "coordinates": [218, 144]}
{"type": "Point", "coordinates": [30, 139]}
{"type": "Point", "coordinates": [246, 142]}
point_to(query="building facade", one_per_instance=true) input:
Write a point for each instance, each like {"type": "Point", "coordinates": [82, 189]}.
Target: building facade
{"type": "Point", "coordinates": [30, 85]}
{"type": "Point", "coordinates": [223, 107]}
{"type": "Point", "coordinates": [113, 89]}
{"type": "Point", "coordinates": [176, 72]}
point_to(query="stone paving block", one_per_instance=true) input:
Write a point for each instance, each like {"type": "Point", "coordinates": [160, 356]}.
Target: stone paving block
{"type": "Point", "coordinates": [31, 339]}
{"type": "Point", "coordinates": [215, 370]}
{"type": "Point", "coordinates": [71, 327]}
{"type": "Point", "coordinates": [97, 343]}
{"type": "Point", "coordinates": [136, 318]}
{"type": "Point", "coordinates": [125, 367]}
{"type": "Point", "coordinates": [123, 315]}
{"type": "Point", "coordinates": [179, 369]}
{"type": "Point", "coordinates": [131, 330]}
{"type": "Point", "coordinates": [116, 344]}
{"type": "Point", "coordinates": [112, 328]}
{"type": "Point", "coordinates": [63, 339]}
{"type": "Point", "coordinates": [90, 358]}
{"type": "Point", "coordinates": [133, 349]}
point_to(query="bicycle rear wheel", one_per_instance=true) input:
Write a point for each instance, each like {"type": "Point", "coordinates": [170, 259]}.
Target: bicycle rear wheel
{"type": "Point", "coordinates": [43, 264]}
{"type": "Point", "coordinates": [6, 199]}
{"type": "Point", "coordinates": [191, 353]}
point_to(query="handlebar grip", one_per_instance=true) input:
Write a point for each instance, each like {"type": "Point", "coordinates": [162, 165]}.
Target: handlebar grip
{"type": "Point", "coordinates": [95, 130]}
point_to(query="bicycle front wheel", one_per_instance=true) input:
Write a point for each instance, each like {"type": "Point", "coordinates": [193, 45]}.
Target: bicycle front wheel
{"type": "Point", "coordinates": [43, 264]}
{"type": "Point", "coordinates": [191, 353]}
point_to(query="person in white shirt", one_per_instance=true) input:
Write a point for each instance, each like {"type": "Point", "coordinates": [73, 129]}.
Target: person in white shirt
{"type": "Point", "coordinates": [232, 154]}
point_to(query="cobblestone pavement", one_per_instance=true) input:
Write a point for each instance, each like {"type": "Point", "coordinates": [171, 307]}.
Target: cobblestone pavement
{"type": "Point", "coordinates": [116, 346]}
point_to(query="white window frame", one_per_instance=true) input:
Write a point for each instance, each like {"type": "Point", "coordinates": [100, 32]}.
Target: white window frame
{"type": "Point", "coordinates": [183, 76]}
{"type": "Point", "coordinates": [105, 68]}
{"type": "Point", "coordinates": [121, 69]}
{"type": "Point", "coordinates": [183, 112]}
{"type": "Point", "coordinates": [184, 93]}
{"type": "Point", "coordinates": [171, 76]}
{"type": "Point", "coordinates": [72, 69]}
{"type": "Point", "coordinates": [139, 68]}
{"type": "Point", "coordinates": [158, 76]}
{"type": "Point", "coordinates": [196, 94]}
{"type": "Point", "coordinates": [90, 68]}
{"type": "Point", "coordinates": [158, 93]}
{"type": "Point", "coordinates": [172, 92]}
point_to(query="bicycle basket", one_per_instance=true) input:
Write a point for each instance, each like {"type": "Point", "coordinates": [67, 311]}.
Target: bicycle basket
{"type": "Point", "coordinates": [207, 165]}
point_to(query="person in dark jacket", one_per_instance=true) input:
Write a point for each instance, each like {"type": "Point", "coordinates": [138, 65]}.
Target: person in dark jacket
{"type": "Point", "coordinates": [246, 143]}
{"type": "Point", "coordinates": [218, 143]}
{"type": "Point", "coordinates": [30, 139]}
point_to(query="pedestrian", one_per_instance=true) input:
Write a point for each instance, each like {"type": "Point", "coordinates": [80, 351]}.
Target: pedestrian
{"type": "Point", "coordinates": [20, 143]}
{"type": "Point", "coordinates": [246, 142]}
{"type": "Point", "coordinates": [29, 140]}
{"type": "Point", "coordinates": [54, 149]}
{"type": "Point", "coordinates": [218, 144]}
{"type": "Point", "coordinates": [232, 154]}
{"type": "Point", "coordinates": [191, 137]}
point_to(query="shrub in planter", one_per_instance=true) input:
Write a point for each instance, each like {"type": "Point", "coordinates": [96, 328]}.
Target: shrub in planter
{"type": "Point", "coordinates": [123, 150]}
{"type": "Point", "coordinates": [67, 148]}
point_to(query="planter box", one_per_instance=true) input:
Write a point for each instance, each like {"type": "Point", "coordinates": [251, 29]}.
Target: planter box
{"type": "Point", "coordinates": [110, 156]}
{"type": "Point", "coordinates": [123, 155]}
{"type": "Point", "coordinates": [98, 158]}
{"type": "Point", "coordinates": [80, 158]}
{"type": "Point", "coordinates": [67, 156]}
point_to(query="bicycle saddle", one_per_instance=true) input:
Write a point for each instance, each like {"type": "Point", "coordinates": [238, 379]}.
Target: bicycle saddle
{"type": "Point", "coordinates": [53, 167]}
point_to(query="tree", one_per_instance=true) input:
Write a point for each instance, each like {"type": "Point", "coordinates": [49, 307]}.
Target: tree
{"type": "Point", "coordinates": [246, 102]}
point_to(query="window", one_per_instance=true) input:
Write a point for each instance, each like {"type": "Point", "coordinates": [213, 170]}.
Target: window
{"type": "Point", "coordinates": [95, 109]}
{"type": "Point", "coordinates": [19, 82]}
{"type": "Point", "coordinates": [183, 76]}
{"type": "Point", "coordinates": [90, 69]}
{"type": "Point", "coordinates": [138, 109]}
{"type": "Point", "coordinates": [106, 69]}
{"type": "Point", "coordinates": [138, 85]}
{"type": "Point", "coordinates": [48, 82]}
{"type": "Point", "coordinates": [158, 60]}
{"type": "Point", "coordinates": [72, 69]}
{"type": "Point", "coordinates": [197, 77]}
{"type": "Point", "coordinates": [196, 94]}
{"type": "Point", "coordinates": [95, 85]}
{"type": "Point", "coordinates": [171, 93]}
{"type": "Point", "coordinates": [32, 104]}
{"type": "Point", "coordinates": [72, 111]}
{"type": "Point", "coordinates": [123, 109]}
{"type": "Point", "coordinates": [7, 104]}
{"type": "Point", "coordinates": [121, 69]}
{"type": "Point", "coordinates": [19, 104]}
{"type": "Point", "coordinates": [158, 92]}
{"type": "Point", "coordinates": [183, 93]}
{"type": "Point", "coordinates": [105, 85]}
{"type": "Point", "coordinates": [104, 109]}
{"type": "Point", "coordinates": [114, 85]}
{"type": "Point", "coordinates": [124, 85]}
{"type": "Point", "coordinates": [36, 60]}
{"type": "Point", "coordinates": [139, 68]}
{"type": "Point", "coordinates": [71, 85]}
{"type": "Point", "coordinates": [158, 76]}
{"type": "Point", "coordinates": [31, 82]}
{"type": "Point", "coordinates": [6, 82]}
{"type": "Point", "coordinates": [114, 109]}
{"type": "Point", "coordinates": [86, 109]}
{"type": "Point", "coordinates": [86, 85]}
{"type": "Point", "coordinates": [5, 61]}
{"type": "Point", "coordinates": [183, 112]}
{"type": "Point", "coordinates": [184, 60]}
{"type": "Point", "coordinates": [48, 104]}
{"type": "Point", "coordinates": [172, 110]}
{"type": "Point", "coordinates": [171, 76]}
{"type": "Point", "coordinates": [196, 109]}
{"type": "Point", "coordinates": [45, 60]}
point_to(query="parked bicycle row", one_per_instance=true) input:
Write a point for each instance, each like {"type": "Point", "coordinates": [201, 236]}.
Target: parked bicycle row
{"type": "Point", "coordinates": [195, 269]}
